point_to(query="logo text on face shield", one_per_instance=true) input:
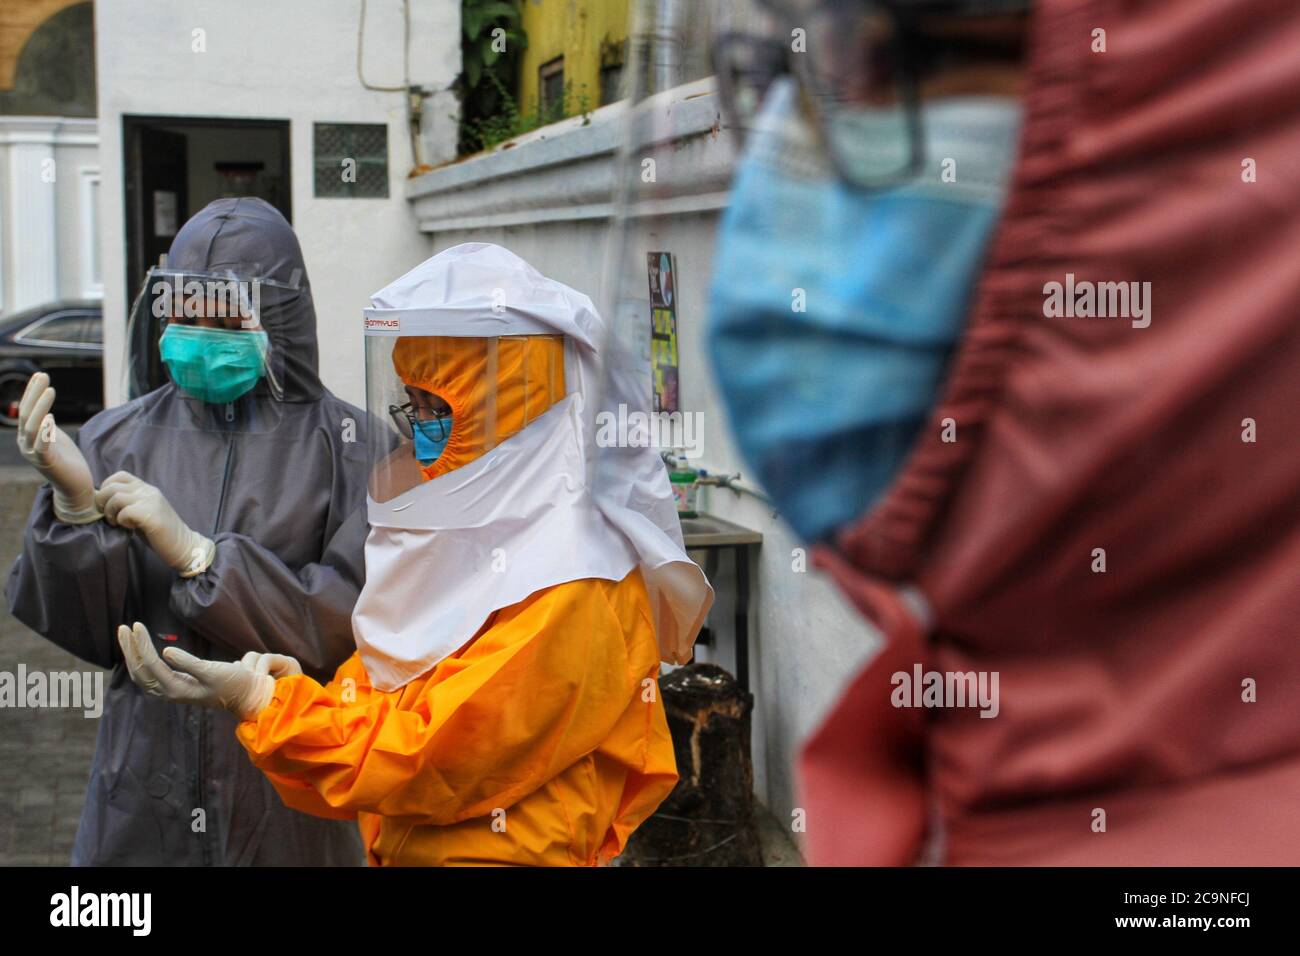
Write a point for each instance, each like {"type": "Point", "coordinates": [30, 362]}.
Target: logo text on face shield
{"type": "Point", "coordinates": [392, 325]}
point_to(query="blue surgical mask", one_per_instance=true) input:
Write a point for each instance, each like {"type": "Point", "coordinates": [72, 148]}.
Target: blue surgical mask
{"type": "Point", "coordinates": [428, 446]}
{"type": "Point", "coordinates": [833, 310]}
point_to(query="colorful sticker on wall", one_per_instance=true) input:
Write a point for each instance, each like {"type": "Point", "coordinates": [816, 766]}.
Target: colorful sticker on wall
{"type": "Point", "coordinates": [663, 329]}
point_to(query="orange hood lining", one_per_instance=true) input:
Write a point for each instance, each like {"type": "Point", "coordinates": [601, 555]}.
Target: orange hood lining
{"type": "Point", "coordinates": [495, 386]}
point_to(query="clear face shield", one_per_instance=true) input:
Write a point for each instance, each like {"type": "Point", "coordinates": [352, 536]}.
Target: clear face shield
{"type": "Point", "coordinates": [205, 332]}
{"type": "Point", "coordinates": [672, 174]}
{"type": "Point", "coordinates": [440, 402]}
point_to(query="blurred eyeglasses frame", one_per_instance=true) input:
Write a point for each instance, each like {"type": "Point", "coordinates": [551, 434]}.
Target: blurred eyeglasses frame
{"type": "Point", "coordinates": [777, 53]}
{"type": "Point", "coordinates": [907, 40]}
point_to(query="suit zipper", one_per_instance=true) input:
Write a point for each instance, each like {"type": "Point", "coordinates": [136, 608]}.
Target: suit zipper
{"type": "Point", "coordinates": [225, 477]}
{"type": "Point", "coordinates": [204, 837]}
{"type": "Point", "coordinates": [201, 796]}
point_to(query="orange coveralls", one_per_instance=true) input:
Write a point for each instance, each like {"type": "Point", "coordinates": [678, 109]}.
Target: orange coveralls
{"type": "Point", "coordinates": [543, 741]}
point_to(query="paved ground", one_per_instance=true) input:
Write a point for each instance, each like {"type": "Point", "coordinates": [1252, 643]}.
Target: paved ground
{"type": "Point", "coordinates": [44, 753]}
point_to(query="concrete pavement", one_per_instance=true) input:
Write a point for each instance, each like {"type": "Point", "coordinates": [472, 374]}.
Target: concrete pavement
{"type": "Point", "coordinates": [45, 752]}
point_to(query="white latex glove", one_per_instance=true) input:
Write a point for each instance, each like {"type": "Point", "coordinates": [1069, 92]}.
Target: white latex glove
{"type": "Point", "coordinates": [189, 680]}
{"type": "Point", "coordinates": [131, 503]}
{"type": "Point", "coordinates": [277, 665]}
{"type": "Point", "coordinates": [49, 450]}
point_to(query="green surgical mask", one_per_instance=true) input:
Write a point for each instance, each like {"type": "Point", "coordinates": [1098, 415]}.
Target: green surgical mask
{"type": "Point", "coordinates": [214, 365]}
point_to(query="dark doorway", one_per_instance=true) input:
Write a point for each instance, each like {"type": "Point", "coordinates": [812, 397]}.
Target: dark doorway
{"type": "Point", "coordinates": [163, 195]}
{"type": "Point", "coordinates": [173, 166]}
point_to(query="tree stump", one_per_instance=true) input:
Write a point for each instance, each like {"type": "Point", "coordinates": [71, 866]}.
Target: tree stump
{"type": "Point", "coordinates": [708, 819]}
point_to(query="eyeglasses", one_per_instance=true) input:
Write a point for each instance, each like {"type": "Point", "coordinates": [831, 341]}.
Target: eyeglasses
{"type": "Point", "coordinates": [406, 420]}
{"type": "Point", "coordinates": [858, 64]}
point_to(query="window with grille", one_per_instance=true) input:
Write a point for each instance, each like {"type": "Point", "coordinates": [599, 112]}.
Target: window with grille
{"type": "Point", "coordinates": [351, 160]}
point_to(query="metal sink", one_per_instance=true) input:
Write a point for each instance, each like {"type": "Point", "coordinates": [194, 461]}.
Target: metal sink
{"type": "Point", "coordinates": [693, 526]}
{"type": "Point", "coordinates": [708, 531]}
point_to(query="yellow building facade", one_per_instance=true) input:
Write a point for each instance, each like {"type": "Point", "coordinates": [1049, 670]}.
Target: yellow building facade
{"type": "Point", "coordinates": [580, 44]}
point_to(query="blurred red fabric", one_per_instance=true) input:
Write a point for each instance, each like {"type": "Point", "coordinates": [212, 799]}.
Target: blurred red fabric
{"type": "Point", "coordinates": [1119, 691]}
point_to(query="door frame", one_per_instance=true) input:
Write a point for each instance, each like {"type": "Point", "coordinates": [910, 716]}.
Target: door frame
{"type": "Point", "coordinates": [132, 173]}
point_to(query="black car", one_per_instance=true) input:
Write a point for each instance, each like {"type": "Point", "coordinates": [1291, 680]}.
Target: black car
{"type": "Point", "coordinates": [63, 339]}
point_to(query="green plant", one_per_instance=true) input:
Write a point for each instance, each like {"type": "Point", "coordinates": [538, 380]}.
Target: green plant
{"type": "Point", "coordinates": [507, 123]}
{"type": "Point", "coordinates": [491, 43]}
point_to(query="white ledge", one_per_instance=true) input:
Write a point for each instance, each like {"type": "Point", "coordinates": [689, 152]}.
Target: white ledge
{"type": "Point", "coordinates": [566, 171]}
{"type": "Point", "coordinates": [49, 130]}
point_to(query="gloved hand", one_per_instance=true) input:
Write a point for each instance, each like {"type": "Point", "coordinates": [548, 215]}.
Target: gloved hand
{"type": "Point", "coordinates": [189, 680]}
{"type": "Point", "coordinates": [277, 665]}
{"type": "Point", "coordinates": [49, 450]}
{"type": "Point", "coordinates": [131, 503]}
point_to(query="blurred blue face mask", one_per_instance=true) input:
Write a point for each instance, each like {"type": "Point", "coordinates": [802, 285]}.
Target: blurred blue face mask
{"type": "Point", "coordinates": [833, 311]}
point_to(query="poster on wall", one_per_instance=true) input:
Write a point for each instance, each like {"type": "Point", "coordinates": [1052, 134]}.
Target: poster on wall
{"type": "Point", "coordinates": [164, 213]}
{"type": "Point", "coordinates": [663, 329]}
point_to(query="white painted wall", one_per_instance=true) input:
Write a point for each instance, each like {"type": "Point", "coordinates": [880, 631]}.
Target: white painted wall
{"type": "Point", "coordinates": [45, 218]}
{"type": "Point", "coordinates": [548, 200]}
{"type": "Point", "coordinates": [289, 60]}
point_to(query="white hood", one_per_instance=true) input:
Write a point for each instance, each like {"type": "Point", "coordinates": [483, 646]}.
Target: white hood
{"type": "Point", "coordinates": [525, 515]}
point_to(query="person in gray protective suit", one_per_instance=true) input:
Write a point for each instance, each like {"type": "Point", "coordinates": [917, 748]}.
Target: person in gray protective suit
{"type": "Point", "coordinates": [226, 509]}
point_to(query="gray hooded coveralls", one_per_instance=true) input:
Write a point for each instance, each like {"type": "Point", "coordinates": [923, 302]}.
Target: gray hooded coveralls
{"type": "Point", "coordinates": [280, 489]}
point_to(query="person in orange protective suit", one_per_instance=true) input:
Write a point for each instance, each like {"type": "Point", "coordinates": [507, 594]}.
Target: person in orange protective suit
{"type": "Point", "coordinates": [534, 744]}
{"type": "Point", "coordinates": [508, 715]}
